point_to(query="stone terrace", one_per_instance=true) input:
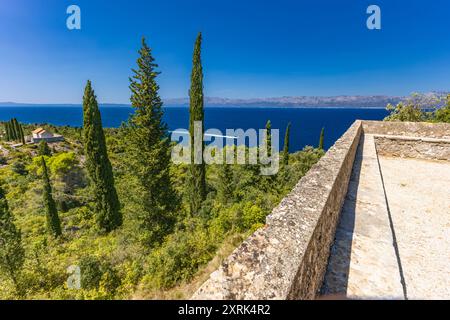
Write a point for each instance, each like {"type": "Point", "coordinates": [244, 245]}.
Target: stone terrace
{"type": "Point", "coordinates": [379, 199]}
{"type": "Point", "coordinates": [393, 239]}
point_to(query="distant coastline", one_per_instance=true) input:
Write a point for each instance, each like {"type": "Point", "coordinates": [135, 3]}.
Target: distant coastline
{"type": "Point", "coordinates": [299, 102]}
{"type": "Point", "coordinates": [281, 102]}
{"type": "Point", "coordinates": [342, 101]}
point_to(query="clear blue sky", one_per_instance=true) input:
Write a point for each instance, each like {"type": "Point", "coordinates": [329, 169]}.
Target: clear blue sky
{"type": "Point", "coordinates": [252, 48]}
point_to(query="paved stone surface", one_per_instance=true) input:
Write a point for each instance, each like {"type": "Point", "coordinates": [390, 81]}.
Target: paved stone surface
{"type": "Point", "coordinates": [403, 237]}
{"type": "Point", "coordinates": [418, 193]}
{"type": "Point", "coordinates": [363, 262]}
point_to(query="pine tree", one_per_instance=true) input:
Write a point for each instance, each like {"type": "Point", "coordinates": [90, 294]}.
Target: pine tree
{"type": "Point", "coordinates": [107, 206]}
{"type": "Point", "coordinates": [53, 222]}
{"type": "Point", "coordinates": [285, 157]}
{"type": "Point", "coordinates": [322, 133]}
{"type": "Point", "coordinates": [197, 172]}
{"type": "Point", "coordinates": [149, 148]}
{"type": "Point", "coordinates": [12, 254]}
{"type": "Point", "coordinates": [44, 149]}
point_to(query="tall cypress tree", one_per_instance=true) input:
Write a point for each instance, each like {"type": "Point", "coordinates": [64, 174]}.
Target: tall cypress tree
{"type": "Point", "coordinates": [6, 128]}
{"type": "Point", "coordinates": [269, 138]}
{"type": "Point", "coordinates": [149, 148]}
{"type": "Point", "coordinates": [226, 181]}
{"type": "Point", "coordinates": [107, 206]}
{"type": "Point", "coordinates": [12, 254]}
{"type": "Point", "coordinates": [225, 187]}
{"type": "Point", "coordinates": [285, 158]}
{"type": "Point", "coordinates": [11, 130]}
{"type": "Point", "coordinates": [44, 149]}
{"type": "Point", "coordinates": [15, 129]}
{"type": "Point", "coordinates": [53, 222]}
{"type": "Point", "coordinates": [21, 134]}
{"type": "Point", "coordinates": [322, 133]}
{"type": "Point", "coordinates": [197, 172]}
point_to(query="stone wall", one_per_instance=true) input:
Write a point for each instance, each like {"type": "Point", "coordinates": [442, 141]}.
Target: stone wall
{"type": "Point", "coordinates": [55, 138]}
{"type": "Point", "coordinates": [408, 129]}
{"type": "Point", "coordinates": [287, 258]}
{"type": "Point", "coordinates": [421, 140]}
{"type": "Point", "coordinates": [420, 148]}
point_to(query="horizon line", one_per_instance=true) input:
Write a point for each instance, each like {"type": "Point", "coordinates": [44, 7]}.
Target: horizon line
{"type": "Point", "coordinates": [212, 97]}
{"type": "Point", "coordinates": [165, 100]}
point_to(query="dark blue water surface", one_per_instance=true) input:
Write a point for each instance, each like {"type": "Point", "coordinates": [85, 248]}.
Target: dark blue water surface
{"type": "Point", "coordinates": [305, 129]}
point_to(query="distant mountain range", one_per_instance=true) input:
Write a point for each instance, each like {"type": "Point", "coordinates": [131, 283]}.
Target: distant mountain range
{"type": "Point", "coordinates": [301, 101]}
{"type": "Point", "coordinates": [375, 101]}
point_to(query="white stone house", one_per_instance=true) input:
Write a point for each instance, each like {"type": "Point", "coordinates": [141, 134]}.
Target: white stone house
{"type": "Point", "coordinates": [41, 134]}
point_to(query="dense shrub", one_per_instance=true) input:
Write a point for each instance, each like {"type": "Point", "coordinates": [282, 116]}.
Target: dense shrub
{"type": "Point", "coordinates": [91, 273]}
{"type": "Point", "coordinates": [19, 168]}
{"type": "Point", "coordinates": [417, 108]}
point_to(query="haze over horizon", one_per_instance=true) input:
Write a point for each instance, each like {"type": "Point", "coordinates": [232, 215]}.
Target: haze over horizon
{"type": "Point", "coordinates": [308, 49]}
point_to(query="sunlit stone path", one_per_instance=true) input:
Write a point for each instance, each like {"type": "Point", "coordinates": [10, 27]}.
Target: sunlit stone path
{"type": "Point", "coordinates": [393, 238]}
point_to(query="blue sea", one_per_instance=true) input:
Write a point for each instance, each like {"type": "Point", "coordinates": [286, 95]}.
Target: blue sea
{"type": "Point", "coordinates": [305, 128]}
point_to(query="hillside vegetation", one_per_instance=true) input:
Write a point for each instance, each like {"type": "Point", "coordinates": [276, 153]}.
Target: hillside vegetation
{"type": "Point", "coordinates": [122, 263]}
{"type": "Point", "coordinates": [106, 214]}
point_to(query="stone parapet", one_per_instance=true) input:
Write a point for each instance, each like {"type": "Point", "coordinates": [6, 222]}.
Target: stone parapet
{"type": "Point", "coordinates": [287, 258]}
